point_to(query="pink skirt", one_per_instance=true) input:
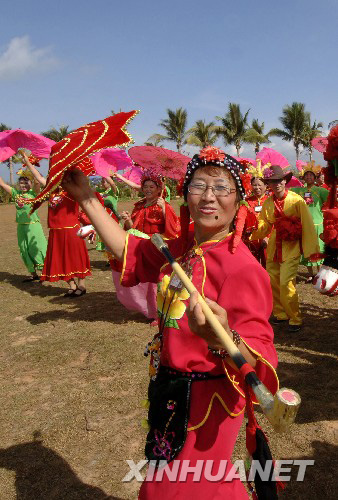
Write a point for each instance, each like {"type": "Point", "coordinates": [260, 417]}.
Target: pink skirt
{"type": "Point", "coordinates": [140, 298]}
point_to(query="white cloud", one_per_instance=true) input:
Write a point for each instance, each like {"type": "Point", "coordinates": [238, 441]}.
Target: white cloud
{"type": "Point", "coordinates": [20, 58]}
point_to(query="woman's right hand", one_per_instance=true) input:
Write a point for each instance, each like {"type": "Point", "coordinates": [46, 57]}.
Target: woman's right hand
{"type": "Point", "coordinates": [125, 215]}
{"type": "Point", "coordinates": [77, 185]}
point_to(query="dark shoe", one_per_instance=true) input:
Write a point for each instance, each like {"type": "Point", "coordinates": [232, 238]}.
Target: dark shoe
{"type": "Point", "coordinates": [70, 292]}
{"type": "Point", "coordinates": [294, 328]}
{"type": "Point", "coordinates": [31, 278]}
{"type": "Point", "coordinates": [78, 292]}
{"type": "Point", "coordinates": [276, 321]}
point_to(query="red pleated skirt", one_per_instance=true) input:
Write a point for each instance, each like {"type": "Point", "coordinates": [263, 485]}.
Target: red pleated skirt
{"type": "Point", "coordinates": [67, 256]}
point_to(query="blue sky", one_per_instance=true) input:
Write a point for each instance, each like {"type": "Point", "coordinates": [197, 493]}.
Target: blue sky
{"type": "Point", "coordinates": [72, 62]}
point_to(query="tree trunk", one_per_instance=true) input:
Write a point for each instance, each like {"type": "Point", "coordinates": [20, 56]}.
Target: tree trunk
{"type": "Point", "coordinates": [297, 151]}
{"type": "Point", "coordinates": [256, 148]}
{"type": "Point", "coordinates": [310, 153]}
{"type": "Point", "coordinates": [11, 176]}
{"type": "Point", "coordinates": [238, 147]}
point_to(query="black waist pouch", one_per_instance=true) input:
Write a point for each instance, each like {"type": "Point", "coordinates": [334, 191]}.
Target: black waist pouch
{"type": "Point", "coordinates": [168, 415]}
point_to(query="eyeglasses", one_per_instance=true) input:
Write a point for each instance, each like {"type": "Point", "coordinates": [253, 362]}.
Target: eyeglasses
{"type": "Point", "coordinates": [218, 190]}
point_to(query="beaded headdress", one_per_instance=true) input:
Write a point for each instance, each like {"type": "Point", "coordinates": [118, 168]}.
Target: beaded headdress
{"type": "Point", "coordinates": [152, 176]}
{"type": "Point", "coordinates": [215, 156]}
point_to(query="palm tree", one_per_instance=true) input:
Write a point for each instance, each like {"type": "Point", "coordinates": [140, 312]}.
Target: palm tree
{"type": "Point", "coordinates": [311, 132]}
{"type": "Point", "coordinates": [255, 135]}
{"type": "Point", "coordinates": [294, 121]}
{"type": "Point", "coordinates": [155, 140]}
{"type": "Point", "coordinates": [202, 134]}
{"type": "Point", "coordinates": [234, 126]}
{"type": "Point", "coordinates": [175, 126]}
{"type": "Point", "coordinates": [57, 134]}
{"type": "Point", "coordinates": [10, 160]}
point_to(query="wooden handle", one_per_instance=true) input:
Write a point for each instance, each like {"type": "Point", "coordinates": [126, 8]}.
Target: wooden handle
{"type": "Point", "coordinates": [221, 333]}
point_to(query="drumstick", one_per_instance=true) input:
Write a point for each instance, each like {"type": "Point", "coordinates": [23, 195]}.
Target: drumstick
{"type": "Point", "coordinates": [280, 409]}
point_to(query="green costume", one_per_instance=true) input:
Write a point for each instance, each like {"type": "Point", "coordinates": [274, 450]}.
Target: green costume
{"type": "Point", "coordinates": [110, 199]}
{"type": "Point", "coordinates": [315, 197]}
{"type": "Point", "coordinates": [31, 239]}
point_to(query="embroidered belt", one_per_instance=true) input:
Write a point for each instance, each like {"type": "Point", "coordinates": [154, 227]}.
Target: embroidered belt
{"type": "Point", "coordinates": [166, 370]}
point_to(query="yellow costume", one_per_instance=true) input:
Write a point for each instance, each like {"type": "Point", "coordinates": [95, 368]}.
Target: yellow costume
{"type": "Point", "coordinates": [283, 271]}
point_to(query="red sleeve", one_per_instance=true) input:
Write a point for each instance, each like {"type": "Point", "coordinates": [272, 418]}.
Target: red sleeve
{"type": "Point", "coordinates": [142, 262]}
{"type": "Point", "coordinates": [248, 313]}
{"type": "Point", "coordinates": [83, 218]}
{"type": "Point", "coordinates": [172, 222]}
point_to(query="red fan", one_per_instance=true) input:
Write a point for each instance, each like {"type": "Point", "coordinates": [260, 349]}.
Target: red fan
{"type": "Point", "coordinates": [73, 150]}
{"type": "Point", "coordinates": [161, 161]}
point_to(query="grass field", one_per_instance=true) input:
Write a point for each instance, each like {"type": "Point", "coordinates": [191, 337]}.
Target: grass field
{"type": "Point", "coordinates": [73, 375]}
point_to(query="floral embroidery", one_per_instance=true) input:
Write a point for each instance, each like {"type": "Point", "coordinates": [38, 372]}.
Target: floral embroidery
{"type": "Point", "coordinates": [169, 302]}
{"type": "Point", "coordinates": [268, 172]}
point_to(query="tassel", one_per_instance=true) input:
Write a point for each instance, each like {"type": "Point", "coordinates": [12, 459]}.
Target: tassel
{"type": "Point", "coordinates": [257, 445]}
{"type": "Point", "coordinates": [185, 226]}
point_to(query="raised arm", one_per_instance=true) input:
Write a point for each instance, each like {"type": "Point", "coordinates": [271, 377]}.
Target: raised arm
{"type": "Point", "coordinates": [111, 183]}
{"type": "Point", "coordinates": [5, 186]}
{"type": "Point", "coordinates": [128, 182]}
{"type": "Point", "coordinates": [40, 178]}
{"type": "Point", "coordinates": [112, 235]}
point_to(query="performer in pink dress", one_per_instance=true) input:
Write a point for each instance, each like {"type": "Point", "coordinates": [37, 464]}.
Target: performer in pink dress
{"type": "Point", "coordinates": [195, 393]}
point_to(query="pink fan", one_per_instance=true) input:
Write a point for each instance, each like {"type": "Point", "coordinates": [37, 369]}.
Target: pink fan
{"type": "Point", "coordinates": [110, 160]}
{"type": "Point", "coordinates": [294, 182]}
{"type": "Point", "coordinates": [133, 174]}
{"type": "Point", "coordinates": [161, 161]}
{"type": "Point", "coordinates": [320, 143]}
{"type": "Point", "coordinates": [269, 155]}
{"type": "Point", "coordinates": [12, 140]}
{"type": "Point", "coordinates": [300, 165]}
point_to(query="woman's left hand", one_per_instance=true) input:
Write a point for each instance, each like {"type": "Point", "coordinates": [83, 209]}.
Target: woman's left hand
{"type": "Point", "coordinates": [199, 325]}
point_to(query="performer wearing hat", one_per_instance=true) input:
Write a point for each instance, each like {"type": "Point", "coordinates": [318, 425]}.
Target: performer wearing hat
{"type": "Point", "coordinates": [285, 214]}
{"type": "Point", "coordinates": [67, 255]}
{"type": "Point", "coordinates": [196, 394]}
{"type": "Point", "coordinates": [315, 197]}
{"type": "Point", "coordinates": [31, 239]}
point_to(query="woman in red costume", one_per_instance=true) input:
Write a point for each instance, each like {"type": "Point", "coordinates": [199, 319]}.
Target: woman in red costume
{"type": "Point", "coordinates": [67, 255]}
{"type": "Point", "coordinates": [255, 201]}
{"type": "Point", "coordinates": [196, 393]}
{"type": "Point", "coordinates": [151, 215]}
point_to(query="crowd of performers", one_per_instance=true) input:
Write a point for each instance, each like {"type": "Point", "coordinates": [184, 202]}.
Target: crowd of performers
{"type": "Point", "coordinates": [196, 396]}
